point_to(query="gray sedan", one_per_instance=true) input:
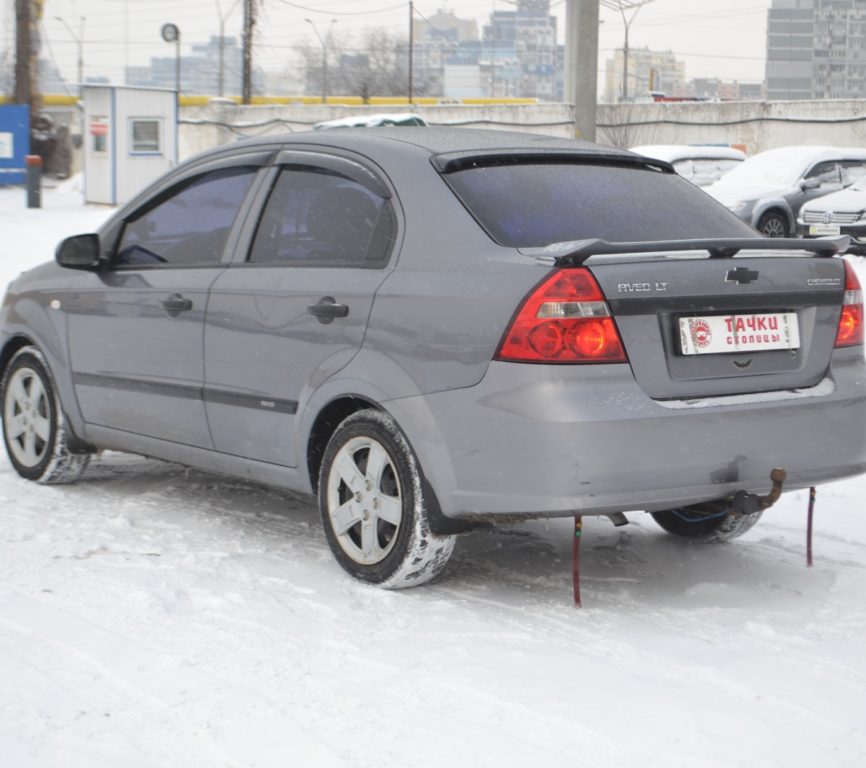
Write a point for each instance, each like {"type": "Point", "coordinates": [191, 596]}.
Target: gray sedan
{"type": "Point", "coordinates": [434, 329]}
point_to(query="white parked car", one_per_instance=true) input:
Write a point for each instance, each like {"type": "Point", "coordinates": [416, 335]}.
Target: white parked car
{"type": "Point", "coordinates": [701, 164]}
{"type": "Point", "coordinates": [371, 121]}
{"type": "Point", "coordinates": [839, 213]}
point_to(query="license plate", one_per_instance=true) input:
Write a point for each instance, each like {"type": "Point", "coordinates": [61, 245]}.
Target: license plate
{"type": "Point", "coordinates": [715, 334]}
{"type": "Point", "coordinates": [824, 229]}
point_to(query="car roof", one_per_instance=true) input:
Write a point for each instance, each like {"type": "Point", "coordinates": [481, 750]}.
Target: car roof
{"type": "Point", "coordinates": [813, 154]}
{"type": "Point", "coordinates": [378, 143]}
{"type": "Point", "coordinates": [673, 152]}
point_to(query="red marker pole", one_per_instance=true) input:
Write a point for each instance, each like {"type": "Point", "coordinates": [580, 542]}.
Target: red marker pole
{"type": "Point", "coordinates": [575, 558]}
{"type": "Point", "coordinates": [812, 494]}
{"type": "Point", "coordinates": [34, 180]}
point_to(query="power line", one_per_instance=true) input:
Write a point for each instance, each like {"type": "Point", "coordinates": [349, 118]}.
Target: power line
{"type": "Point", "coordinates": [343, 13]}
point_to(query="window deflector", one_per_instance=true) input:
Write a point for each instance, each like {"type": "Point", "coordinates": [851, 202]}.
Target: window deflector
{"type": "Point", "coordinates": [348, 168]}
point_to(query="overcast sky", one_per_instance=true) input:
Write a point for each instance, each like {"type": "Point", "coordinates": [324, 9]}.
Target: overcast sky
{"type": "Point", "coordinates": [721, 38]}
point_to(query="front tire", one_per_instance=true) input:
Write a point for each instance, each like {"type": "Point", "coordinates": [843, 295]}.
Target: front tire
{"type": "Point", "coordinates": [34, 429]}
{"type": "Point", "coordinates": [773, 224]}
{"type": "Point", "coordinates": [373, 506]}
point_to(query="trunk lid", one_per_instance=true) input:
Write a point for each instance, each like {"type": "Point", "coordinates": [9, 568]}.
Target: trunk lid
{"type": "Point", "coordinates": [735, 322]}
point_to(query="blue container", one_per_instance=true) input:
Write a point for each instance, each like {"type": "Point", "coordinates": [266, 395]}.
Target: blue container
{"type": "Point", "coordinates": [14, 143]}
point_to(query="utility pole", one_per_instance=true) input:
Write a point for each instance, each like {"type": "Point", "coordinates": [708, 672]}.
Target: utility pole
{"type": "Point", "coordinates": [249, 24]}
{"type": "Point", "coordinates": [323, 42]}
{"type": "Point", "coordinates": [23, 54]}
{"type": "Point", "coordinates": [223, 17]}
{"type": "Point", "coordinates": [411, 45]}
{"type": "Point", "coordinates": [622, 6]}
{"type": "Point", "coordinates": [79, 42]}
{"type": "Point", "coordinates": [581, 64]}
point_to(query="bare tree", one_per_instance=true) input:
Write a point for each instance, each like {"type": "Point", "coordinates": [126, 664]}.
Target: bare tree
{"type": "Point", "coordinates": [377, 66]}
{"type": "Point", "coordinates": [617, 126]}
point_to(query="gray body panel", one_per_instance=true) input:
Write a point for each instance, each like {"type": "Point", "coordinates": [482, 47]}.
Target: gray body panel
{"type": "Point", "coordinates": [136, 367]}
{"type": "Point", "coordinates": [236, 383]}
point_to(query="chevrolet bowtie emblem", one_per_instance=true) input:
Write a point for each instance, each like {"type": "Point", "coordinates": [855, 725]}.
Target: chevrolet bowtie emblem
{"type": "Point", "coordinates": [741, 275]}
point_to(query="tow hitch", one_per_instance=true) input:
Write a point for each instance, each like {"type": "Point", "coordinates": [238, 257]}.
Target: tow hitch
{"type": "Point", "coordinates": [743, 503]}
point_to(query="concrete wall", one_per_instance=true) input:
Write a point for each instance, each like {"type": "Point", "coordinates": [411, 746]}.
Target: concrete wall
{"type": "Point", "coordinates": [758, 125]}
{"type": "Point", "coordinates": [220, 123]}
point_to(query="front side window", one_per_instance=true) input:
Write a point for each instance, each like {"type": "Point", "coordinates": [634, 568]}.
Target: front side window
{"type": "Point", "coordinates": [536, 204]}
{"type": "Point", "coordinates": [189, 225]}
{"type": "Point", "coordinates": [315, 217]}
{"type": "Point", "coordinates": [825, 173]}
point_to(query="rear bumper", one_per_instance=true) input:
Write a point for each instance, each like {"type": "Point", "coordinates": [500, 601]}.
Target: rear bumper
{"type": "Point", "coordinates": [553, 440]}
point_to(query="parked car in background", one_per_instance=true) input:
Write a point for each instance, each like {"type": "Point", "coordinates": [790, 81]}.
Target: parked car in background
{"type": "Point", "coordinates": [371, 121]}
{"type": "Point", "coordinates": [433, 329]}
{"type": "Point", "coordinates": [839, 213]}
{"type": "Point", "coordinates": [701, 164]}
{"type": "Point", "coordinates": [767, 190]}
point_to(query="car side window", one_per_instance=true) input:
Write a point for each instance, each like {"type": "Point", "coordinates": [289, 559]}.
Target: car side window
{"type": "Point", "coordinates": [826, 173]}
{"type": "Point", "coordinates": [852, 170]}
{"type": "Point", "coordinates": [319, 217]}
{"type": "Point", "coordinates": [188, 225]}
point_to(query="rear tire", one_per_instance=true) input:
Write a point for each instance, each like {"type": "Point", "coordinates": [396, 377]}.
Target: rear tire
{"type": "Point", "coordinates": [34, 428]}
{"type": "Point", "coordinates": [373, 505]}
{"type": "Point", "coordinates": [773, 224]}
{"type": "Point", "coordinates": [706, 523]}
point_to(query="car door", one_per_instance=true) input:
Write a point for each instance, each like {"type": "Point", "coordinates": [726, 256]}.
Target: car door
{"type": "Point", "coordinates": [828, 176]}
{"type": "Point", "coordinates": [294, 311]}
{"type": "Point", "coordinates": [136, 328]}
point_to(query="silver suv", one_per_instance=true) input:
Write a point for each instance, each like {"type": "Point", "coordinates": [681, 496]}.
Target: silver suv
{"type": "Point", "coordinates": [768, 189]}
{"type": "Point", "coordinates": [433, 329]}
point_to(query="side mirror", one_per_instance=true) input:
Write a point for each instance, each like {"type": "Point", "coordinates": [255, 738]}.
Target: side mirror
{"type": "Point", "coordinates": [79, 252]}
{"type": "Point", "coordinates": [813, 183]}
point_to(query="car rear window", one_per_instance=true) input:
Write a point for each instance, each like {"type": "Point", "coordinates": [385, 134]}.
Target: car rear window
{"type": "Point", "coordinates": [535, 204]}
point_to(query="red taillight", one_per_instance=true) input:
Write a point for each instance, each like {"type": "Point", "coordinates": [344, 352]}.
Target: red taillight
{"type": "Point", "coordinates": [564, 320]}
{"type": "Point", "coordinates": [850, 330]}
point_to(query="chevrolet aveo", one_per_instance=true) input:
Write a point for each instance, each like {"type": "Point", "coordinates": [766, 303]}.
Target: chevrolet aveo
{"type": "Point", "coordinates": [433, 329]}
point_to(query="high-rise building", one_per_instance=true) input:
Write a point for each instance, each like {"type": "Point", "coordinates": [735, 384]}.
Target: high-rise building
{"type": "Point", "coordinates": [648, 71]}
{"type": "Point", "coordinates": [528, 36]}
{"type": "Point", "coordinates": [816, 49]}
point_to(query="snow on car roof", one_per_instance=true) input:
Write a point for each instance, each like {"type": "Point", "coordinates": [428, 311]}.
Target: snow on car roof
{"type": "Point", "coordinates": [810, 153]}
{"type": "Point", "coordinates": [673, 152]}
{"type": "Point", "coordinates": [369, 121]}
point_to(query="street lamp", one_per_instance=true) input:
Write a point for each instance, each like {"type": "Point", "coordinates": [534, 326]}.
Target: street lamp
{"type": "Point", "coordinates": [79, 41]}
{"type": "Point", "coordinates": [171, 34]}
{"type": "Point", "coordinates": [223, 18]}
{"type": "Point", "coordinates": [324, 56]}
{"type": "Point", "coordinates": [622, 6]}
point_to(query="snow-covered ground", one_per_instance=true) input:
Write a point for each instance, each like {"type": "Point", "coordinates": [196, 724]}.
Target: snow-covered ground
{"type": "Point", "coordinates": [157, 617]}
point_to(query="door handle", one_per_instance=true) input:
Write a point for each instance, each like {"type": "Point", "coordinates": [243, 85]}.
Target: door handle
{"type": "Point", "coordinates": [327, 309]}
{"type": "Point", "coordinates": [175, 304]}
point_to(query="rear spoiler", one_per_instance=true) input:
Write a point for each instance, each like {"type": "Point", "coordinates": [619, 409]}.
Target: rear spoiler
{"type": "Point", "coordinates": [576, 252]}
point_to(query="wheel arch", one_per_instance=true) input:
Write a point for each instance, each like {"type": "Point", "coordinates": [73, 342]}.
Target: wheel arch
{"type": "Point", "coordinates": [775, 206]}
{"type": "Point", "coordinates": [21, 341]}
{"type": "Point", "coordinates": [11, 347]}
{"type": "Point", "coordinates": [325, 424]}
